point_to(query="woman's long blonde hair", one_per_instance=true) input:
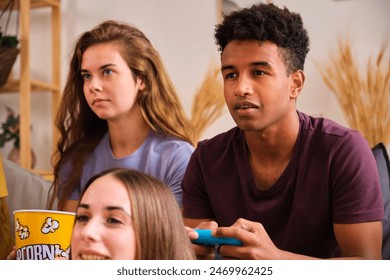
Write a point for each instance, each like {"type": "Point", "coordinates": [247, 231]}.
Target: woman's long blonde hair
{"type": "Point", "coordinates": [81, 130]}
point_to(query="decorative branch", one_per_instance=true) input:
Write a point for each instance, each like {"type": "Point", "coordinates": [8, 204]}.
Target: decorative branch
{"type": "Point", "coordinates": [209, 102]}
{"type": "Point", "coordinates": [364, 99]}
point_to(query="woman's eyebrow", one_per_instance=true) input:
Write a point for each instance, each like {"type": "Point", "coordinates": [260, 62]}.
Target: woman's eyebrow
{"type": "Point", "coordinates": [107, 65]}
{"type": "Point", "coordinates": [112, 208]}
{"type": "Point", "coordinates": [108, 208]}
{"type": "Point", "coordinates": [100, 68]}
{"type": "Point", "coordinates": [82, 205]}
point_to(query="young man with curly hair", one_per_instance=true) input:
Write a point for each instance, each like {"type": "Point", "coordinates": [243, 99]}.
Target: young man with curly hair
{"type": "Point", "coordinates": [288, 185]}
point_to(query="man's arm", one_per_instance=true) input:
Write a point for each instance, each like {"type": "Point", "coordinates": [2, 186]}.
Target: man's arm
{"type": "Point", "coordinates": [356, 241]}
{"type": "Point", "coordinates": [360, 240]}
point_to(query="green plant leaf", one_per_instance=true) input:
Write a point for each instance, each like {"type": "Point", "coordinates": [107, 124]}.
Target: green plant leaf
{"type": "Point", "coordinates": [9, 41]}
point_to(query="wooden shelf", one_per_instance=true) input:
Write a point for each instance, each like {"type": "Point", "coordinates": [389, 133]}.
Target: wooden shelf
{"type": "Point", "coordinates": [36, 3]}
{"type": "Point", "coordinates": [12, 86]}
{"type": "Point", "coordinates": [26, 85]}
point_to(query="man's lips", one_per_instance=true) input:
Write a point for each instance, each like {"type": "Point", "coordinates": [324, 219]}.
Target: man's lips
{"type": "Point", "coordinates": [244, 105]}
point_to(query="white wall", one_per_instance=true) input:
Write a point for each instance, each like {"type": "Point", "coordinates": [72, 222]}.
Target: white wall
{"type": "Point", "coordinates": [182, 31]}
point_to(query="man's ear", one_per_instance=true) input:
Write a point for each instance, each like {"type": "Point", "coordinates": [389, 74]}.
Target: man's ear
{"type": "Point", "coordinates": [297, 82]}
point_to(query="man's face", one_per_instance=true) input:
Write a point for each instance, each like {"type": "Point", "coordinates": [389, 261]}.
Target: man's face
{"type": "Point", "coordinates": [257, 89]}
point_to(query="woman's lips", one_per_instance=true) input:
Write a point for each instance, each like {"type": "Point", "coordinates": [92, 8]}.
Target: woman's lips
{"type": "Point", "coordinates": [98, 100]}
{"type": "Point", "coordinates": [92, 257]}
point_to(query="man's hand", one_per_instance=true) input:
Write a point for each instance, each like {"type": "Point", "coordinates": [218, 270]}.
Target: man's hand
{"type": "Point", "coordinates": [256, 242]}
{"type": "Point", "coordinates": [202, 252]}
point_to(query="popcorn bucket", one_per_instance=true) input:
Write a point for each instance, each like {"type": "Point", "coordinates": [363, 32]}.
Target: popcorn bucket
{"type": "Point", "coordinates": [43, 234]}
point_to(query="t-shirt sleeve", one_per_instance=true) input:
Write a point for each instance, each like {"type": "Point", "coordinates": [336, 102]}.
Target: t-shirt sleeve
{"type": "Point", "coordinates": [356, 195]}
{"type": "Point", "coordinates": [177, 165]}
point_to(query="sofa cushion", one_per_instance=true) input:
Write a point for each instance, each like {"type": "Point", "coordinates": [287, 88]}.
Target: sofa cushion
{"type": "Point", "coordinates": [26, 190]}
{"type": "Point", "coordinates": [383, 163]}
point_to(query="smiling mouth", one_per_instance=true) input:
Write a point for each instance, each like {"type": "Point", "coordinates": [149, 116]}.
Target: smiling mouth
{"type": "Point", "coordinates": [92, 257]}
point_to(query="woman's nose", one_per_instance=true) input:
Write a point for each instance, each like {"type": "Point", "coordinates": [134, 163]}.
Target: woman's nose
{"type": "Point", "coordinates": [94, 85]}
{"type": "Point", "coordinates": [91, 230]}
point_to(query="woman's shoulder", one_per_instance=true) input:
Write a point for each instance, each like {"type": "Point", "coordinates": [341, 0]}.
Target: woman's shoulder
{"type": "Point", "coordinates": [159, 141]}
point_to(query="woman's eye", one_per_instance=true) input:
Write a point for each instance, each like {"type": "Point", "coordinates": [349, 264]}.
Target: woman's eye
{"type": "Point", "coordinates": [107, 72]}
{"type": "Point", "coordinates": [82, 218]}
{"type": "Point", "coordinates": [86, 76]}
{"type": "Point", "coordinates": [113, 221]}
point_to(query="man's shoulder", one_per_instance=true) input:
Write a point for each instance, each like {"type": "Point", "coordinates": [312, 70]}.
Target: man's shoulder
{"type": "Point", "coordinates": [327, 136]}
{"type": "Point", "coordinates": [323, 125]}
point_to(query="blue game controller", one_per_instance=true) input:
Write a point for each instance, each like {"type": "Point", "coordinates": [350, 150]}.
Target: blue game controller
{"type": "Point", "coordinates": [205, 238]}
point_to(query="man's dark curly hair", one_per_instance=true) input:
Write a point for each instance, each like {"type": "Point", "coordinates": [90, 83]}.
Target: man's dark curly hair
{"type": "Point", "coordinates": [267, 22]}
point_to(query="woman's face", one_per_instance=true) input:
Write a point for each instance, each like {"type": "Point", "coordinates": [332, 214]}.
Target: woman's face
{"type": "Point", "coordinates": [110, 87]}
{"type": "Point", "coordinates": [104, 227]}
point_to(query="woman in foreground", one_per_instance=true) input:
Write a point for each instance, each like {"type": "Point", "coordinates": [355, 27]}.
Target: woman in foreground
{"type": "Point", "coordinates": [137, 219]}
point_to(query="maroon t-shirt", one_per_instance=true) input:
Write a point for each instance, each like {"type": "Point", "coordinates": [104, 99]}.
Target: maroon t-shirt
{"type": "Point", "coordinates": [331, 178]}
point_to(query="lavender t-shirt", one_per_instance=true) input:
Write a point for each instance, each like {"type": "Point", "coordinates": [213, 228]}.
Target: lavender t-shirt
{"type": "Point", "coordinates": [165, 158]}
{"type": "Point", "coordinates": [331, 178]}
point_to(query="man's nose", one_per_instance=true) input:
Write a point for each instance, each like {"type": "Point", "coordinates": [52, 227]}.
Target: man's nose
{"type": "Point", "coordinates": [243, 86]}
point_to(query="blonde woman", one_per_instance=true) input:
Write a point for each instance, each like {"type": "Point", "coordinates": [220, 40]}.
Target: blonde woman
{"type": "Point", "coordinates": [137, 219]}
{"type": "Point", "coordinates": [119, 109]}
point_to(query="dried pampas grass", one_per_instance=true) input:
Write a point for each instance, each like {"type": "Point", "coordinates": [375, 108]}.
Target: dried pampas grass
{"type": "Point", "coordinates": [364, 98]}
{"type": "Point", "coordinates": [209, 102]}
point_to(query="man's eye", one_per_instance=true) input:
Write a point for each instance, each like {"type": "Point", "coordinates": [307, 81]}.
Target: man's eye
{"type": "Point", "coordinates": [258, 73]}
{"type": "Point", "coordinates": [82, 218]}
{"type": "Point", "coordinates": [86, 76]}
{"type": "Point", "coordinates": [230, 76]}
